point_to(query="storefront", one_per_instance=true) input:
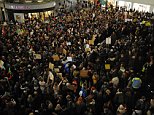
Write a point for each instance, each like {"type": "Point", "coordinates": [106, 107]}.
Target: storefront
{"type": "Point", "coordinates": [113, 2]}
{"type": "Point", "coordinates": [138, 5]}
{"type": "Point", "coordinates": [21, 12]}
{"type": "Point", "coordinates": [141, 7]}
{"type": "Point", "coordinates": [104, 2]}
{"type": "Point", "coordinates": [124, 4]}
{"type": "Point", "coordinates": [108, 2]}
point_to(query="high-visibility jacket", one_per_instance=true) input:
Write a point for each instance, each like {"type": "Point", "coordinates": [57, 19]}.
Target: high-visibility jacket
{"type": "Point", "coordinates": [136, 82]}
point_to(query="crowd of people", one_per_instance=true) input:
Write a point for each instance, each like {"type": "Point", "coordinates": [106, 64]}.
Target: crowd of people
{"type": "Point", "coordinates": [89, 61]}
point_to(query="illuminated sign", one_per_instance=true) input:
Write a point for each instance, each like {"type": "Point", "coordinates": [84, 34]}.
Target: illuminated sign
{"type": "Point", "coordinates": [127, 5]}
{"type": "Point", "coordinates": [141, 7]}
{"type": "Point", "coordinates": [29, 6]}
{"type": "Point", "coordinates": [18, 7]}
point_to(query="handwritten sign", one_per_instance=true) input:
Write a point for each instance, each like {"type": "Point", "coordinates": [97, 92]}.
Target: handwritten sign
{"type": "Point", "coordinates": [64, 52]}
{"type": "Point", "coordinates": [55, 57]}
{"type": "Point", "coordinates": [37, 56]}
{"type": "Point", "coordinates": [59, 75]}
{"type": "Point", "coordinates": [91, 42]}
{"type": "Point", "coordinates": [94, 37]}
{"type": "Point", "coordinates": [56, 70]}
{"type": "Point", "coordinates": [83, 73]}
{"type": "Point", "coordinates": [51, 66]}
{"type": "Point", "coordinates": [87, 49]}
{"type": "Point", "coordinates": [1, 63]}
{"type": "Point", "coordinates": [108, 40]}
{"type": "Point", "coordinates": [68, 43]}
{"type": "Point", "coordinates": [107, 66]}
{"type": "Point", "coordinates": [69, 59]}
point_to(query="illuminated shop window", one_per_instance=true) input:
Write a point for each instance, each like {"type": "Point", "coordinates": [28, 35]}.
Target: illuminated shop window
{"type": "Point", "coordinates": [141, 7]}
{"type": "Point", "coordinates": [39, 0]}
{"type": "Point", "coordinates": [113, 2]}
{"type": "Point", "coordinates": [127, 5]}
{"type": "Point", "coordinates": [16, 0]}
{"type": "Point", "coordinates": [28, 1]}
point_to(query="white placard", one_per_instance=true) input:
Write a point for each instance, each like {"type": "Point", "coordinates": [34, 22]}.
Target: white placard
{"type": "Point", "coordinates": [128, 20]}
{"type": "Point", "coordinates": [69, 59]}
{"type": "Point", "coordinates": [1, 63]}
{"type": "Point", "coordinates": [87, 45]}
{"type": "Point", "coordinates": [68, 43]}
{"type": "Point", "coordinates": [108, 40]}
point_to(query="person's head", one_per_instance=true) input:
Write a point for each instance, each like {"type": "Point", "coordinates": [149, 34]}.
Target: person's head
{"type": "Point", "coordinates": [31, 113]}
{"type": "Point", "coordinates": [50, 105]}
{"type": "Point", "coordinates": [80, 100]}
{"type": "Point", "coordinates": [121, 109]}
{"type": "Point", "coordinates": [58, 107]}
{"type": "Point", "coordinates": [152, 103]}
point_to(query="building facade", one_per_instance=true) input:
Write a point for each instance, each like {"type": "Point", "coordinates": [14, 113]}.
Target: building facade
{"type": "Point", "coordinates": [2, 11]}
{"type": "Point", "coordinates": [25, 10]}
{"type": "Point", "coordinates": [20, 10]}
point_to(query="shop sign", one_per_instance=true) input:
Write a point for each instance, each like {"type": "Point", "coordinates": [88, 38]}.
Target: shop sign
{"type": "Point", "coordinates": [29, 6]}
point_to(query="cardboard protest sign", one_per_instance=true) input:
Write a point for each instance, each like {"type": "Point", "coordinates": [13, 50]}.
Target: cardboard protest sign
{"type": "Point", "coordinates": [37, 56]}
{"type": "Point", "coordinates": [83, 73]}
{"type": "Point", "coordinates": [56, 70]}
{"type": "Point", "coordinates": [87, 45]}
{"type": "Point", "coordinates": [128, 20]}
{"type": "Point", "coordinates": [69, 59]}
{"type": "Point", "coordinates": [108, 40]}
{"type": "Point", "coordinates": [87, 49]}
{"type": "Point", "coordinates": [51, 66]}
{"type": "Point", "coordinates": [59, 75]}
{"type": "Point", "coordinates": [91, 42]}
{"type": "Point", "coordinates": [107, 66]}
{"type": "Point", "coordinates": [51, 76]}
{"type": "Point", "coordinates": [94, 37]}
{"type": "Point", "coordinates": [68, 43]}
{"type": "Point", "coordinates": [1, 63]}
{"type": "Point", "coordinates": [55, 57]}
{"type": "Point", "coordinates": [64, 52]}
{"type": "Point", "coordinates": [46, 37]}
